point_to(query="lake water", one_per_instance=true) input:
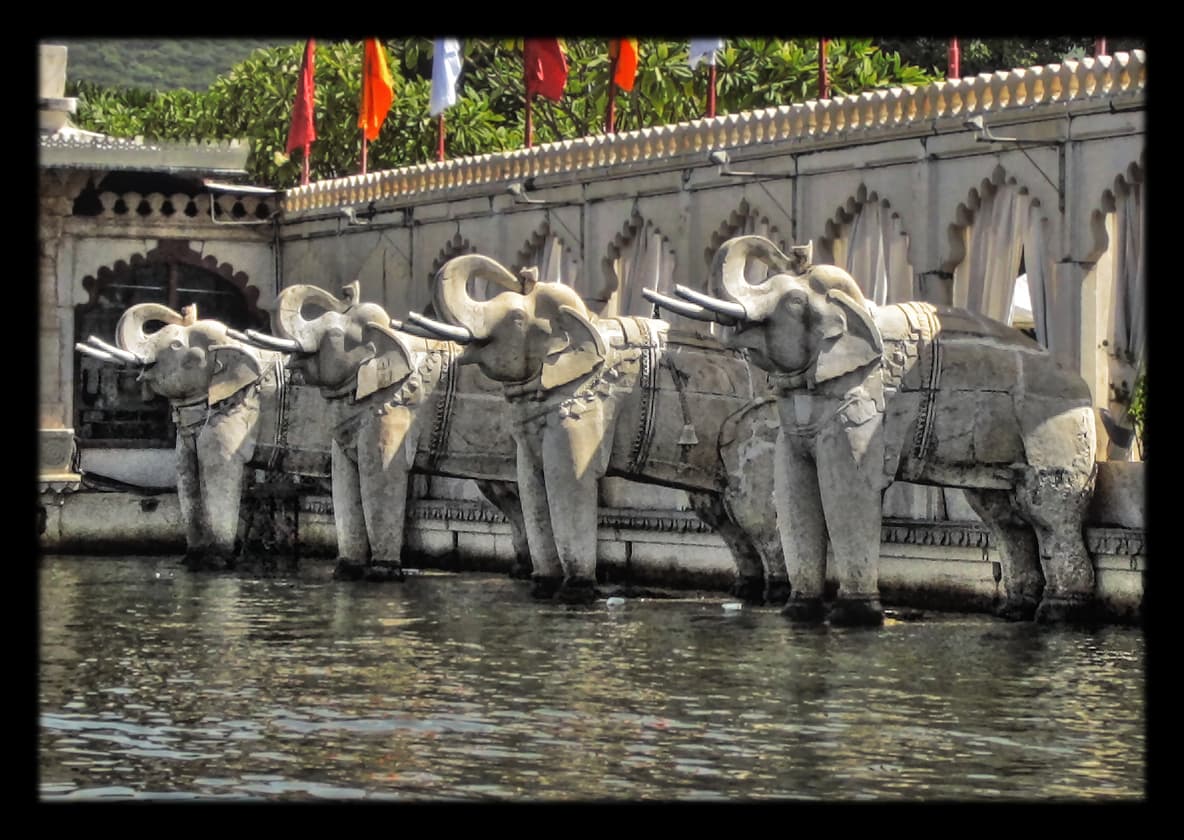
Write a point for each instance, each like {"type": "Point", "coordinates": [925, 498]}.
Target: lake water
{"type": "Point", "coordinates": [157, 683]}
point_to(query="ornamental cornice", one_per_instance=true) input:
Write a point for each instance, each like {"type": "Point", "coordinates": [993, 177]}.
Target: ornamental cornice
{"type": "Point", "coordinates": [76, 150]}
{"type": "Point", "coordinates": [872, 115]}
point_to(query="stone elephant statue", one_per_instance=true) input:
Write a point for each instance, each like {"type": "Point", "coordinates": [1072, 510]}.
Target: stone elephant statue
{"type": "Point", "coordinates": [626, 397]}
{"type": "Point", "coordinates": [928, 394]}
{"type": "Point", "coordinates": [400, 406]}
{"type": "Point", "coordinates": [231, 404]}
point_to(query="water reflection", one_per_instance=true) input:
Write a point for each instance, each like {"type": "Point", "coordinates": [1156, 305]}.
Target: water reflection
{"type": "Point", "coordinates": [158, 683]}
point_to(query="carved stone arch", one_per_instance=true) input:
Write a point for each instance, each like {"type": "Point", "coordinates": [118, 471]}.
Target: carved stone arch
{"type": "Point", "coordinates": [639, 257]}
{"type": "Point", "coordinates": [1130, 178]}
{"type": "Point", "coordinates": [879, 264]}
{"type": "Point", "coordinates": [179, 262]}
{"type": "Point", "coordinates": [985, 278]}
{"type": "Point", "coordinates": [967, 211]}
{"type": "Point", "coordinates": [550, 254]}
{"type": "Point", "coordinates": [742, 221]}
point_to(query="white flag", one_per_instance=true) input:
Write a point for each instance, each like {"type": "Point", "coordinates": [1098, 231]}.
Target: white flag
{"type": "Point", "coordinates": [445, 72]}
{"type": "Point", "coordinates": [703, 49]}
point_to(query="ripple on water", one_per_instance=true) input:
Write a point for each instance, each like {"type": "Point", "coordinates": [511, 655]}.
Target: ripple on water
{"type": "Point", "coordinates": [463, 688]}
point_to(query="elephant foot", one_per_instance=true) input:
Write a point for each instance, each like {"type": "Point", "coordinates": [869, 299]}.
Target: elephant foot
{"type": "Point", "coordinates": [521, 570]}
{"type": "Point", "coordinates": [544, 587]}
{"type": "Point", "coordinates": [777, 592]}
{"type": "Point", "coordinates": [856, 612]}
{"type": "Point", "coordinates": [576, 591]}
{"type": "Point", "coordinates": [383, 573]}
{"type": "Point", "coordinates": [1018, 609]}
{"type": "Point", "coordinates": [1081, 612]}
{"type": "Point", "coordinates": [349, 569]}
{"type": "Point", "coordinates": [804, 610]}
{"type": "Point", "coordinates": [749, 589]}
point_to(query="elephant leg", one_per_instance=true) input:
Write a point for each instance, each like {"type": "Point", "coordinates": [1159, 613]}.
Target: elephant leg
{"type": "Point", "coordinates": [1015, 542]}
{"type": "Point", "coordinates": [750, 574]}
{"type": "Point", "coordinates": [850, 461]}
{"type": "Point", "coordinates": [802, 527]}
{"type": "Point", "coordinates": [224, 447]}
{"type": "Point", "coordinates": [1055, 501]}
{"type": "Point", "coordinates": [197, 535]}
{"type": "Point", "coordinates": [547, 571]}
{"type": "Point", "coordinates": [504, 496]}
{"type": "Point", "coordinates": [571, 473]}
{"type": "Point", "coordinates": [353, 546]}
{"type": "Point", "coordinates": [383, 473]}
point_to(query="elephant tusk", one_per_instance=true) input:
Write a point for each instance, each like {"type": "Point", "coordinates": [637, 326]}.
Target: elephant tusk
{"type": "Point", "coordinates": [733, 310]}
{"type": "Point", "coordinates": [95, 353]}
{"type": "Point", "coordinates": [237, 335]}
{"type": "Point", "coordinates": [460, 335]}
{"type": "Point", "coordinates": [270, 342]}
{"type": "Point", "coordinates": [119, 353]}
{"type": "Point", "coordinates": [410, 329]}
{"type": "Point", "coordinates": [690, 310]}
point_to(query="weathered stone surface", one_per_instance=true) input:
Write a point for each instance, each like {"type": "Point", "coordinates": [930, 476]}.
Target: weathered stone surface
{"type": "Point", "coordinates": [1120, 495]}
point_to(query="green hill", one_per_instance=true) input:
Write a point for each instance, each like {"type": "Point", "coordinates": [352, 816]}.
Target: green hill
{"type": "Point", "coordinates": [156, 64]}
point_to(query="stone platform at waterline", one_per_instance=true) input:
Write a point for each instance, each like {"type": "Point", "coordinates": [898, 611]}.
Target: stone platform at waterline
{"type": "Point", "coordinates": [947, 565]}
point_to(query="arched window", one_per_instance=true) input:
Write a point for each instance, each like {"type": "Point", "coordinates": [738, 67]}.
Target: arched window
{"type": "Point", "coordinates": [110, 407]}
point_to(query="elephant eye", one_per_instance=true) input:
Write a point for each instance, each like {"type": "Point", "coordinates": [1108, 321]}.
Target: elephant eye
{"type": "Point", "coordinates": [796, 299]}
{"type": "Point", "coordinates": [176, 344]}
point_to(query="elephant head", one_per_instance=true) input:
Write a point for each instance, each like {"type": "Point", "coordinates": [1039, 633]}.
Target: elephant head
{"type": "Point", "coordinates": [803, 320]}
{"type": "Point", "coordinates": [540, 333]}
{"type": "Point", "coordinates": [185, 360]}
{"type": "Point", "coordinates": [333, 340]}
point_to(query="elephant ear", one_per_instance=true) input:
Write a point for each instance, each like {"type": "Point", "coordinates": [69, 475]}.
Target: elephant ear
{"type": "Point", "coordinates": [850, 338]}
{"type": "Point", "coordinates": [233, 368]}
{"type": "Point", "coordinates": [391, 362]}
{"type": "Point", "coordinates": [577, 349]}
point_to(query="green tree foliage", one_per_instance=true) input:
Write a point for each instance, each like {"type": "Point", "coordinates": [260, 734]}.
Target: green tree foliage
{"type": "Point", "coordinates": [254, 100]}
{"type": "Point", "coordinates": [986, 55]}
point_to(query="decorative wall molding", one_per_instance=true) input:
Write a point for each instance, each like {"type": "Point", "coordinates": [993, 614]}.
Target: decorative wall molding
{"type": "Point", "coordinates": [1112, 541]}
{"type": "Point", "coordinates": [872, 115]}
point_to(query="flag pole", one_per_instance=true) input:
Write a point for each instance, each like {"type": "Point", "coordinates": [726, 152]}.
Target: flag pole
{"type": "Point", "coordinates": [711, 89]}
{"type": "Point", "coordinates": [304, 170]}
{"type": "Point", "coordinates": [440, 134]}
{"type": "Point", "coordinates": [529, 122]}
{"type": "Point", "coordinates": [610, 118]}
{"type": "Point", "coordinates": [363, 151]}
{"type": "Point", "coordinates": [823, 75]}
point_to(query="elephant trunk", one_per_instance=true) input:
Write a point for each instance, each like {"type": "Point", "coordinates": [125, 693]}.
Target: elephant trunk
{"type": "Point", "coordinates": [129, 332]}
{"type": "Point", "coordinates": [288, 318]}
{"type": "Point", "coordinates": [451, 297]}
{"type": "Point", "coordinates": [728, 271]}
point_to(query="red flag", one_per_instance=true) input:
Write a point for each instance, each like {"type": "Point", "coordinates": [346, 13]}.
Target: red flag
{"type": "Point", "coordinates": [303, 131]}
{"type": "Point", "coordinates": [377, 89]}
{"type": "Point", "coordinates": [546, 68]}
{"type": "Point", "coordinates": [624, 50]}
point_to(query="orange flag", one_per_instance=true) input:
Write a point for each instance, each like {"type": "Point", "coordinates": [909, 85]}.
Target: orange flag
{"type": "Point", "coordinates": [624, 50]}
{"type": "Point", "coordinates": [377, 89]}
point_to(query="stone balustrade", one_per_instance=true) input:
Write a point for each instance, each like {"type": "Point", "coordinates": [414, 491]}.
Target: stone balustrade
{"type": "Point", "coordinates": [158, 207]}
{"type": "Point", "coordinates": [873, 114]}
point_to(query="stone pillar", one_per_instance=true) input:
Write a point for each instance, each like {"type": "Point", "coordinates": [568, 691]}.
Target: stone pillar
{"type": "Point", "coordinates": [55, 330]}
